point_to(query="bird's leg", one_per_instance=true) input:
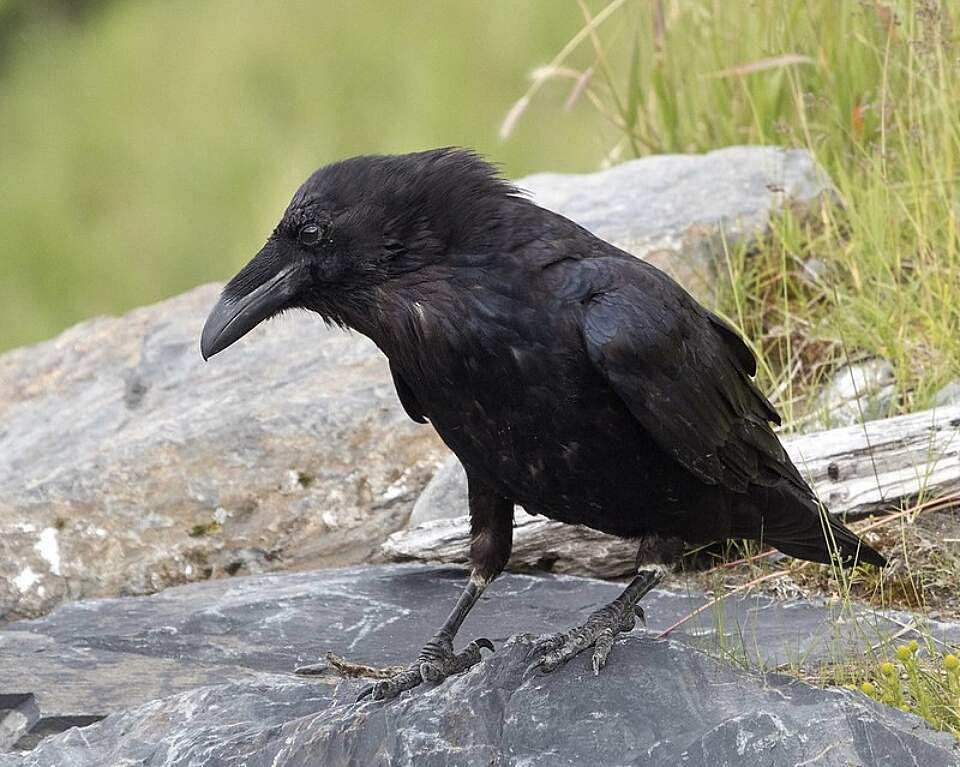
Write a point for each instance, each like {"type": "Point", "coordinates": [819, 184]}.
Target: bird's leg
{"type": "Point", "coordinates": [491, 535]}
{"type": "Point", "coordinates": [620, 616]}
{"type": "Point", "coordinates": [599, 629]}
{"type": "Point", "coordinates": [437, 660]}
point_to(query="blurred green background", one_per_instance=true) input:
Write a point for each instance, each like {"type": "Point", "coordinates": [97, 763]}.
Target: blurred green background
{"type": "Point", "coordinates": [149, 146]}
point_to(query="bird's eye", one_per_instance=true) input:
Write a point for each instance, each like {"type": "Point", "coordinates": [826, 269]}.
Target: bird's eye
{"type": "Point", "coordinates": [309, 234]}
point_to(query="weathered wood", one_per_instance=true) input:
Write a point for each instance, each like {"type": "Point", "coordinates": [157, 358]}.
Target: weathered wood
{"type": "Point", "coordinates": [877, 466]}
{"type": "Point", "coordinates": [856, 470]}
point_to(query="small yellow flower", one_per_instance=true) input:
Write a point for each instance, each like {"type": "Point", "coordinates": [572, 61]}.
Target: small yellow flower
{"type": "Point", "coordinates": [887, 668]}
{"type": "Point", "coordinates": [914, 646]}
{"type": "Point", "coordinates": [951, 663]}
{"type": "Point", "coordinates": [903, 652]}
{"type": "Point", "coordinates": [867, 688]}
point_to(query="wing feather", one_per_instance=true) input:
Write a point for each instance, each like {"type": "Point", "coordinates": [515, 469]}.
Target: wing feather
{"type": "Point", "coordinates": [686, 376]}
{"type": "Point", "coordinates": [408, 399]}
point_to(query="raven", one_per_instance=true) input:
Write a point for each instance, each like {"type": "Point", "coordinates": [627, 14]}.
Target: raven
{"type": "Point", "coordinates": [568, 377]}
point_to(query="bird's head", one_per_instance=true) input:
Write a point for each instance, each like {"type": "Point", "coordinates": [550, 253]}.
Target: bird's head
{"type": "Point", "coordinates": [353, 228]}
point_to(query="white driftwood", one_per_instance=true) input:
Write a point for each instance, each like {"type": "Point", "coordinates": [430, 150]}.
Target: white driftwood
{"type": "Point", "coordinates": [856, 470]}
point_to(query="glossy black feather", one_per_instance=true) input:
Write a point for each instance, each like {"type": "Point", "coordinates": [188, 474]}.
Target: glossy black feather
{"type": "Point", "coordinates": [407, 398]}
{"type": "Point", "coordinates": [684, 377]}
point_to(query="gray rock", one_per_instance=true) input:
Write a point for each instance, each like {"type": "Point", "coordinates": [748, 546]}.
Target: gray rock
{"type": "Point", "coordinates": [127, 464]}
{"type": "Point", "coordinates": [815, 270]}
{"type": "Point", "coordinates": [675, 706]}
{"type": "Point", "coordinates": [859, 392]}
{"type": "Point", "coordinates": [221, 653]}
{"type": "Point", "coordinates": [444, 497]}
{"type": "Point", "coordinates": [680, 212]}
{"type": "Point", "coordinates": [945, 397]}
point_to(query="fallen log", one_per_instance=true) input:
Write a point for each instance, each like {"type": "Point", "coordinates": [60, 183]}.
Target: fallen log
{"type": "Point", "coordinates": [872, 468]}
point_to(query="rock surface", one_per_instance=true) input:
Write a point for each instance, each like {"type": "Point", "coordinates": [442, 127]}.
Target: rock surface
{"type": "Point", "coordinates": [680, 212]}
{"type": "Point", "coordinates": [221, 653]}
{"type": "Point", "coordinates": [859, 392]}
{"type": "Point", "coordinates": [444, 497]}
{"type": "Point", "coordinates": [127, 465]}
{"type": "Point", "coordinates": [948, 395]}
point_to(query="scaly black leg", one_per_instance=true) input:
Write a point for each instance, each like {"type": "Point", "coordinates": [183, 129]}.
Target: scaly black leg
{"type": "Point", "coordinates": [601, 627]}
{"type": "Point", "coordinates": [491, 536]}
{"type": "Point", "coordinates": [437, 660]}
{"type": "Point", "coordinates": [598, 631]}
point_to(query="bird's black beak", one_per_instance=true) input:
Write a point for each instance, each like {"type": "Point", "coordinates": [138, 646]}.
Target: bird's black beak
{"type": "Point", "coordinates": [238, 312]}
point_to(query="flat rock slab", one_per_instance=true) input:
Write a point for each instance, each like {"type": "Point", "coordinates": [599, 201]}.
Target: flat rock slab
{"type": "Point", "coordinates": [675, 706]}
{"type": "Point", "coordinates": [202, 672]}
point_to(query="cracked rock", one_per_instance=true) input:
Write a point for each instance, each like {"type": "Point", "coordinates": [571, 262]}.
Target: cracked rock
{"type": "Point", "coordinates": [201, 674]}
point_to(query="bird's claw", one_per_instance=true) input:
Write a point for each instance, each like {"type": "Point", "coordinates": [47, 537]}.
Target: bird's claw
{"type": "Point", "coordinates": [598, 631]}
{"type": "Point", "coordinates": [436, 662]}
{"type": "Point", "coordinates": [545, 653]}
{"type": "Point", "coordinates": [391, 688]}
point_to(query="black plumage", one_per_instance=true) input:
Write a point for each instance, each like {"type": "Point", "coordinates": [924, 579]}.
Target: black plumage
{"type": "Point", "coordinates": [567, 376]}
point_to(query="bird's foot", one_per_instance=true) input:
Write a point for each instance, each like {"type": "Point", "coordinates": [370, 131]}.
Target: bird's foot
{"type": "Point", "coordinates": [598, 631]}
{"type": "Point", "coordinates": [435, 663]}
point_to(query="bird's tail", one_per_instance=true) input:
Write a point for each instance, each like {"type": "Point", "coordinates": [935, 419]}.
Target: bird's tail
{"type": "Point", "coordinates": [799, 526]}
{"type": "Point", "coordinates": [830, 541]}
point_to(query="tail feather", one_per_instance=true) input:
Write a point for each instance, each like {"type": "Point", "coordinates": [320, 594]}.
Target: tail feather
{"type": "Point", "coordinates": [794, 523]}
{"type": "Point", "coordinates": [829, 542]}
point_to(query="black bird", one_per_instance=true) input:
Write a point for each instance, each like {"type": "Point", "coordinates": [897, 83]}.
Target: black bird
{"type": "Point", "coordinates": [568, 376]}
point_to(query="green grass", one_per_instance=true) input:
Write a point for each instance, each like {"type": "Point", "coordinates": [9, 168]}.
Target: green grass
{"type": "Point", "coordinates": [927, 685]}
{"type": "Point", "coordinates": [152, 146]}
{"type": "Point", "coordinates": [872, 89]}
{"type": "Point", "coordinates": [920, 676]}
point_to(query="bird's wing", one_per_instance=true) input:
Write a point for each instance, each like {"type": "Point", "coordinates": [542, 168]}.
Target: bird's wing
{"type": "Point", "coordinates": [686, 377]}
{"type": "Point", "coordinates": [407, 398]}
